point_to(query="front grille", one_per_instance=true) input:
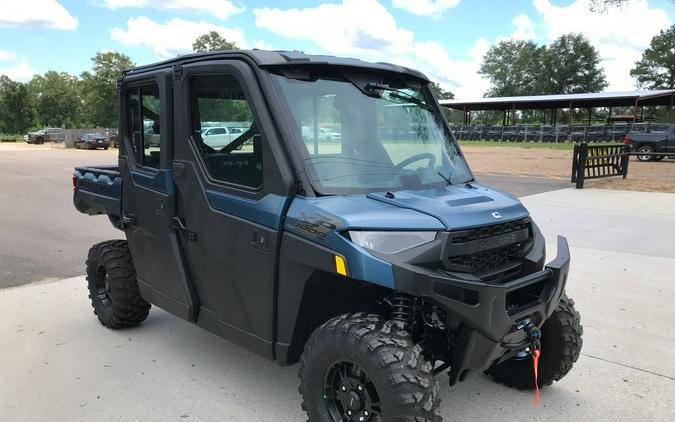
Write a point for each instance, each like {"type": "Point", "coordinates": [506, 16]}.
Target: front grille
{"type": "Point", "coordinates": [487, 260]}
{"type": "Point", "coordinates": [491, 231]}
{"type": "Point", "coordinates": [492, 253]}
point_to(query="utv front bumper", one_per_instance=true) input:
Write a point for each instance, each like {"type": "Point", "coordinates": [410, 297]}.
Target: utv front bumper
{"type": "Point", "coordinates": [490, 315]}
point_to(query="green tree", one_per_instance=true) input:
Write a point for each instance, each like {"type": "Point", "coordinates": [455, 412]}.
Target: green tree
{"type": "Point", "coordinates": [656, 68]}
{"type": "Point", "coordinates": [16, 112]}
{"type": "Point", "coordinates": [56, 99]}
{"type": "Point", "coordinates": [571, 65]}
{"type": "Point", "coordinates": [99, 88]}
{"type": "Point", "coordinates": [513, 67]}
{"type": "Point", "coordinates": [212, 41]}
{"type": "Point", "coordinates": [439, 92]}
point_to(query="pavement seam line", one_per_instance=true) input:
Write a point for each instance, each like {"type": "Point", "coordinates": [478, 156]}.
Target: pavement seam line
{"type": "Point", "coordinates": [630, 367]}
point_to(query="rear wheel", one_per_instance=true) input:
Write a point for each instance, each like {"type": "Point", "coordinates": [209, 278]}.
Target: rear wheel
{"type": "Point", "coordinates": [560, 347]}
{"type": "Point", "coordinates": [355, 368]}
{"type": "Point", "coordinates": [645, 150]}
{"type": "Point", "coordinates": [113, 288]}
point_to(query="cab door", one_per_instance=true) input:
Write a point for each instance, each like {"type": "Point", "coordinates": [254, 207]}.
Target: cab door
{"type": "Point", "coordinates": [230, 200]}
{"type": "Point", "coordinates": [148, 193]}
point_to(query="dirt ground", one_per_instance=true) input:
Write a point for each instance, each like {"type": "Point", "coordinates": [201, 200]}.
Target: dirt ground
{"type": "Point", "coordinates": [646, 177]}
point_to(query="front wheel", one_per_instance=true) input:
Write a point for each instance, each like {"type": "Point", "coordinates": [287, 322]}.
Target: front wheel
{"type": "Point", "coordinates": [560, 348]}
{"type": "Point", "coordinates": [113, 288]}
{"type": "Point", "coordinates": [355, 368]}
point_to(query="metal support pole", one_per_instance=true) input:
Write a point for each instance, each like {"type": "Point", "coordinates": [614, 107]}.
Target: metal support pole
{"type": "Point", "coordinates": [555, 116]}
{"type": "Point", "coordinates": [504, 118]}
{"type": "Point", "coordinates": [513, 114]}
{"type": "Point", "coordinates": [670, 109]}
{"type": "Point", "coordinates": [589, 116]}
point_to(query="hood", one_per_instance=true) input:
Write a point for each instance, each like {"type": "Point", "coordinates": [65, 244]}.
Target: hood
{"type": "Point", "coordinates": [451, 208]}
{"type": "Point", "coordinates": [458, 206]}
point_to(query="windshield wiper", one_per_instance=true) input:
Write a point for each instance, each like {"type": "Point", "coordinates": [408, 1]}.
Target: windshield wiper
{"type": "Point", "coordinates": [398, 94]}
{"type": "Point", "coordinates": [446, 178]}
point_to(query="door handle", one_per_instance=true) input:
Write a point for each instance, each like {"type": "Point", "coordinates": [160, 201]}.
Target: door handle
{"type": "Point", "coordinates": [187, 234]}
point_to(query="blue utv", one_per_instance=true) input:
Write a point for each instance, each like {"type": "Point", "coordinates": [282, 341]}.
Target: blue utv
{"type": "Point", "coordinates": [374, 258]}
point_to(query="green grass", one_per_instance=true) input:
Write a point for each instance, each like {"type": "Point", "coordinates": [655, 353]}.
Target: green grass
{"type": "Point", "coordinates": [6, 136]}
{"type": "Point", "coordinates": [534, 145]}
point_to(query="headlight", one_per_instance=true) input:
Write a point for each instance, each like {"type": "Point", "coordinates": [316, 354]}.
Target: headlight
{"type": "Point", "coordinates": [391, 242]}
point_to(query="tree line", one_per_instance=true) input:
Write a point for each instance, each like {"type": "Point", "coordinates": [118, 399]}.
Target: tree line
{"type": "Point", "coordinates": [570, 64]}
{"type": "Point", "coordinates": [60, 99]}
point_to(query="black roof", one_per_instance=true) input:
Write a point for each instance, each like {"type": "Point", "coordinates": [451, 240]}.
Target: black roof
{"type": "Point", "coordinates": [265, 58]}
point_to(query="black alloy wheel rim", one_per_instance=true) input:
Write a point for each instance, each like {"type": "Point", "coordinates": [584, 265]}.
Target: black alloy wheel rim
{"type": "Point", "coordinates": [102, 285]}
{"type": "Point", "coordinates": [350, 395]}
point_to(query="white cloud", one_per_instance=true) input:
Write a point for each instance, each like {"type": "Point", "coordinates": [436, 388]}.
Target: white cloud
{"type": "Point", "coordinates": [21, 71]}
{"type": "Point", "coordinates": [7, 55]}
{"type": "Point", "coordinates": [620, 34]}
{"type": "Point", "coordinates": [262, 45]}
{"type": "Point", "coordinates": [350, 27]}
{"type": "Point", "coordinates": [425, 7]}
{"type": "Point", "coordinates": [459, 76]}
{"type": "Point", "coordinates": [36, 14]}
{"type": "Point", "coordinates": [221, 9]}
{"type": "Point", "coordinates": [172, 38]}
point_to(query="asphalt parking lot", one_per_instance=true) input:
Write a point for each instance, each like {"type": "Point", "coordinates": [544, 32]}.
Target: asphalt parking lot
{"type": "Point", "coordinates": [43, 237]}
{"type": "Point", "coordinates": [58, 363]}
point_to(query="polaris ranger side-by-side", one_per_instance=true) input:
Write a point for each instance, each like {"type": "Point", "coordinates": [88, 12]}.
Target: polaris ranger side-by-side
{"type": "Point", "coordinates": [373, 258]}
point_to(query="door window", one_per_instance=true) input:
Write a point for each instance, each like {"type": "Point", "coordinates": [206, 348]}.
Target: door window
{"type": "Point", "coordinates": [144, 123]}
{"type": "Point", "coordinates": [231, 155]}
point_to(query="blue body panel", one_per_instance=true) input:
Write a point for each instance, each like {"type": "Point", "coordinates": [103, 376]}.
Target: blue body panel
{"type": "Point", "coordinates": [267, 211]}
{"type": "Point", "coordinates": [323, 220]}
{"type": "Point", "coordinates": [161, 181]}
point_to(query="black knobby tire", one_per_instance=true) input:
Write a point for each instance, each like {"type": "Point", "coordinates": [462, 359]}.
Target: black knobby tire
{"type": "Point", "coordinates": [561, 342]}
{"type": "Point", "coordinates": [393, 367]}
{"type": "Point", "coordinates": [113, 288]}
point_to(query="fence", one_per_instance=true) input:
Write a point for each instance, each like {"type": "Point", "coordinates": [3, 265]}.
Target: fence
{"type": "Point", "coordinates": [558, 133]}
{"type": "Point", "coordinates": [597, 161]}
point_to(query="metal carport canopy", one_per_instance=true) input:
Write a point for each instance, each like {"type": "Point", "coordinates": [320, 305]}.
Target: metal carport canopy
{"type": "Point", "coordinates": [585, 100]}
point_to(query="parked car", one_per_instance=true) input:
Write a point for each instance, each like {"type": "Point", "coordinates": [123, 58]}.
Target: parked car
{"type": "Point", "coordinates": [325, 134]}
{"type": "Point", "coordinates": [113, 140]}
{"type": "Point", "coordinates": [92, 141]}
{"type": "Point", "coordinates": [377, 269]}
{"type": "Point", "coordinates": [218, 137]}
{"type": "Point", "coordinates": [48, 134]}
{"type": "Point", "coordinates": [655, 139]}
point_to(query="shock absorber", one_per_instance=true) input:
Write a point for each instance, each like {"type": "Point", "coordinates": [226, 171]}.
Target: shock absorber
{"type": "Point", "coordinates": [402, 310]}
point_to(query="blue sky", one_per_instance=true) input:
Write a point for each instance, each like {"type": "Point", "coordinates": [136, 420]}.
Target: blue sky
{"type": "Point", "coordinates": [444, 38]}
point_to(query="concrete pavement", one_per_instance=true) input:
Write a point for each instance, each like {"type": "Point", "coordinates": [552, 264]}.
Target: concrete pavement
{"type": "Point", "coordinates": [58, 363]}
{"type": "Point", "coordinates": [42, 235]}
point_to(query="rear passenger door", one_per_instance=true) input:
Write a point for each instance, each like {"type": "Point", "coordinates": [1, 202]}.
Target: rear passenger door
{"type": "Point", "coordinates": [148, 193]}
{"type": "Point", "coordinates": [231, 194]}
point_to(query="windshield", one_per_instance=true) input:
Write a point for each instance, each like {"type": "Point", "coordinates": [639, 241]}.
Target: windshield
{"type": "Point", "coordinates": [367, 135]}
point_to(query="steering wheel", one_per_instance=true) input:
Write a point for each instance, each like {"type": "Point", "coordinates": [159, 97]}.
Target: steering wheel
{"type": "Point", "coordinates": [417, 157]}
